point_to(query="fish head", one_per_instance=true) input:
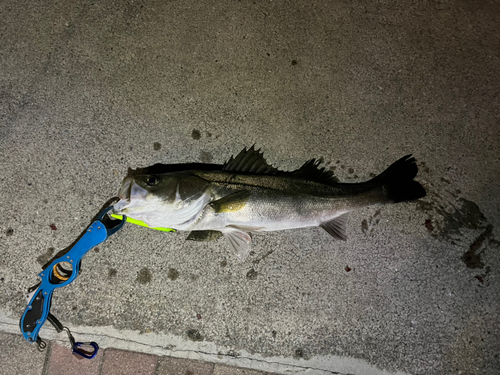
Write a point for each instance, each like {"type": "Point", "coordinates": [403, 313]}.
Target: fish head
{"type": "Point", "coordinates": [161, 200]}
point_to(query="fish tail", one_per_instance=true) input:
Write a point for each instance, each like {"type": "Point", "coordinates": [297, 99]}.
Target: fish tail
{"type": "Point", "coordinates": [398, 181]}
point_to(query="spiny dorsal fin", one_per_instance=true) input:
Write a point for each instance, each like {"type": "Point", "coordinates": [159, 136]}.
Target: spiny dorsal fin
{"type": "Point", "coordinates": [311, 171]}
{"type": "Point", "coordinates": [251, 161]}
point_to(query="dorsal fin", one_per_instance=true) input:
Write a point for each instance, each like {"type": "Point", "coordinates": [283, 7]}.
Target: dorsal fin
{"type": "Point", "coordinates": [251, 161]}
{"type": "Point", "coordinates": [311, 171]}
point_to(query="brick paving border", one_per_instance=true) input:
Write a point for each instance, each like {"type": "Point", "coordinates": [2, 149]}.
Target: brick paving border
{"type": "Point", "coordinates": [19, 357]}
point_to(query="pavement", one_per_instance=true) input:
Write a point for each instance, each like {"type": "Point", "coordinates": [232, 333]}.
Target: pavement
{"type": "Point", "coordinates": [58, 359]}
{"type": "Point", "coordinates": [89, 89]}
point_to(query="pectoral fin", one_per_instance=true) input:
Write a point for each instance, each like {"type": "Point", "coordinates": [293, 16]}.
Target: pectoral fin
{"type": "Point", "coordinates": [204, 235]}
{"type": "Point", "coordinates": [239, 240]}
{"type": "Point", "coordinates": [232, 202]}
{"type": "Point", "coordinates": [336, 227]}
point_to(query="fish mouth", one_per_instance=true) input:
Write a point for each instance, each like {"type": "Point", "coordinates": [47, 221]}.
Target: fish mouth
{"type": "Point", "coordinates": [130, 194]}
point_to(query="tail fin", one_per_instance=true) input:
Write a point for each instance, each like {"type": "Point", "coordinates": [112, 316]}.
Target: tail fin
{"type": "Point", "coordinates": [398, 181]}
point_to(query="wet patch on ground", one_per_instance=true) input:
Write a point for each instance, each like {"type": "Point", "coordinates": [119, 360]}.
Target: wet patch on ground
{"type": "Point", "coordinates": [455, 220]}
{"type": "Point", "coordinates": [195, 134]}
{"type": "Point", "coordinates": [252, 274]}
{"type": "Point", "coordinates": [300, 353]}
{"type": "Point", "coordinates": [194, 335]}
{"type": "Point", "coordinates": [206, 157]}
{"type": "Point", "coordinates": [483, 278]}
{"type": "Point", "coordinates": [472, 257]}
{"type": "Point", "coordinates": [156, 146]}
{"type": "Point", "coordinates": [428, 225]}
{"type": "Point", "coordinates": [45, 258]}
{"type": "Point", "coordinates": [144, 276]}
{"type": "Point", "coordinates": [257, 261]}
{"type": "Point", "coordinates": [367, 226]}
{"type": "Point", "coordinates": [172, 274]}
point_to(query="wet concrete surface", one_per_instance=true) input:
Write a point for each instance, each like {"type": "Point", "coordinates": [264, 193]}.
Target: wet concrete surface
{"type": "Point", "coordinates": [90, 89]}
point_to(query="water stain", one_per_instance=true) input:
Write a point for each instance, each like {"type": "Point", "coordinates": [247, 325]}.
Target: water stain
{"type": "Point", "coordinates": [44, 258]}
{"type": "Point", "coordinates": [428, 225]}
{"type": "Point", "coordinates": [483, 278]}
{"type": "Point", "coordinates": [453, 218]}
{"type": "Point", "coordinates": [194, 335]}
{"type": "Point", "coordinates": [252, 274]}
{"type": "Point", "coordinates": [424, 167]}
{"type": "Point", "coordinates": [364, 226]}
{"type": "Point", "coordinates": [445, 180]}
{"type": "Point", "coordinates": [156, 146]}
{"type": "Point", "coordinates": [195, 134]}
{"type": "Point", "coordinates": [467, 216]}
{"type": "Point", "coordinates": [367, 226]}
{"type": "Point", "coordinates": [144, 276]}
{"type": "Point", "coordinates": [206, 157]}
{"type": "Point", "coordinates": [172, 274]}
{"type": "Point", "coordinates": [257, 261]}
{"type": "Point", "coordinates": [112, 273]}
{"type": "Point", "coordinates": [472, 257]}
{"type": "Point", "coordinates": [299, 353]}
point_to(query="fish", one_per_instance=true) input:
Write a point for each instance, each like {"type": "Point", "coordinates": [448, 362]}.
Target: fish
{"type": "Point", "coordinates": [246, 195]}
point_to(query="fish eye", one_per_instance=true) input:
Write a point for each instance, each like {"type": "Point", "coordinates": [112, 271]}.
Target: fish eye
{"type": "Point", "coordinates": [152, 180]}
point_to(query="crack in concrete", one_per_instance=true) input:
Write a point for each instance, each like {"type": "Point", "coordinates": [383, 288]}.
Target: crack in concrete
{"type": "Point", "coordinates": [210, 354]}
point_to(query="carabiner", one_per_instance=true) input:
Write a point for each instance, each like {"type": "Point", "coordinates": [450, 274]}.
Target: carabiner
{"type": "Point", "coordinates": [85, 353]}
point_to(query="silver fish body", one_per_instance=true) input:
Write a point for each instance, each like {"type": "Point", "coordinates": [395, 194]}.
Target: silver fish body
{"type": "Point", "coordinates": [247, 195]}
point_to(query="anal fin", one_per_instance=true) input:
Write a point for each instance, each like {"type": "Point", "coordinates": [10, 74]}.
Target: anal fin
{"type": "Point", "coordinates": [336, 227]}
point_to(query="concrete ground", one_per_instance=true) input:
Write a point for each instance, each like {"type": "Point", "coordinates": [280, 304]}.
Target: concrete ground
{"type": "Point", "coordinates": [88, 89]}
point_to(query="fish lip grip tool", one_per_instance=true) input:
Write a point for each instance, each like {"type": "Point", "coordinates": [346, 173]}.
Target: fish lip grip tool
{"type": "Point", "coordinates": [61, 272]}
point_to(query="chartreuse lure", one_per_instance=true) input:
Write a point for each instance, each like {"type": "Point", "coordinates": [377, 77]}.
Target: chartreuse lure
{"type": "Point", "coordinates": [141, 223]}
